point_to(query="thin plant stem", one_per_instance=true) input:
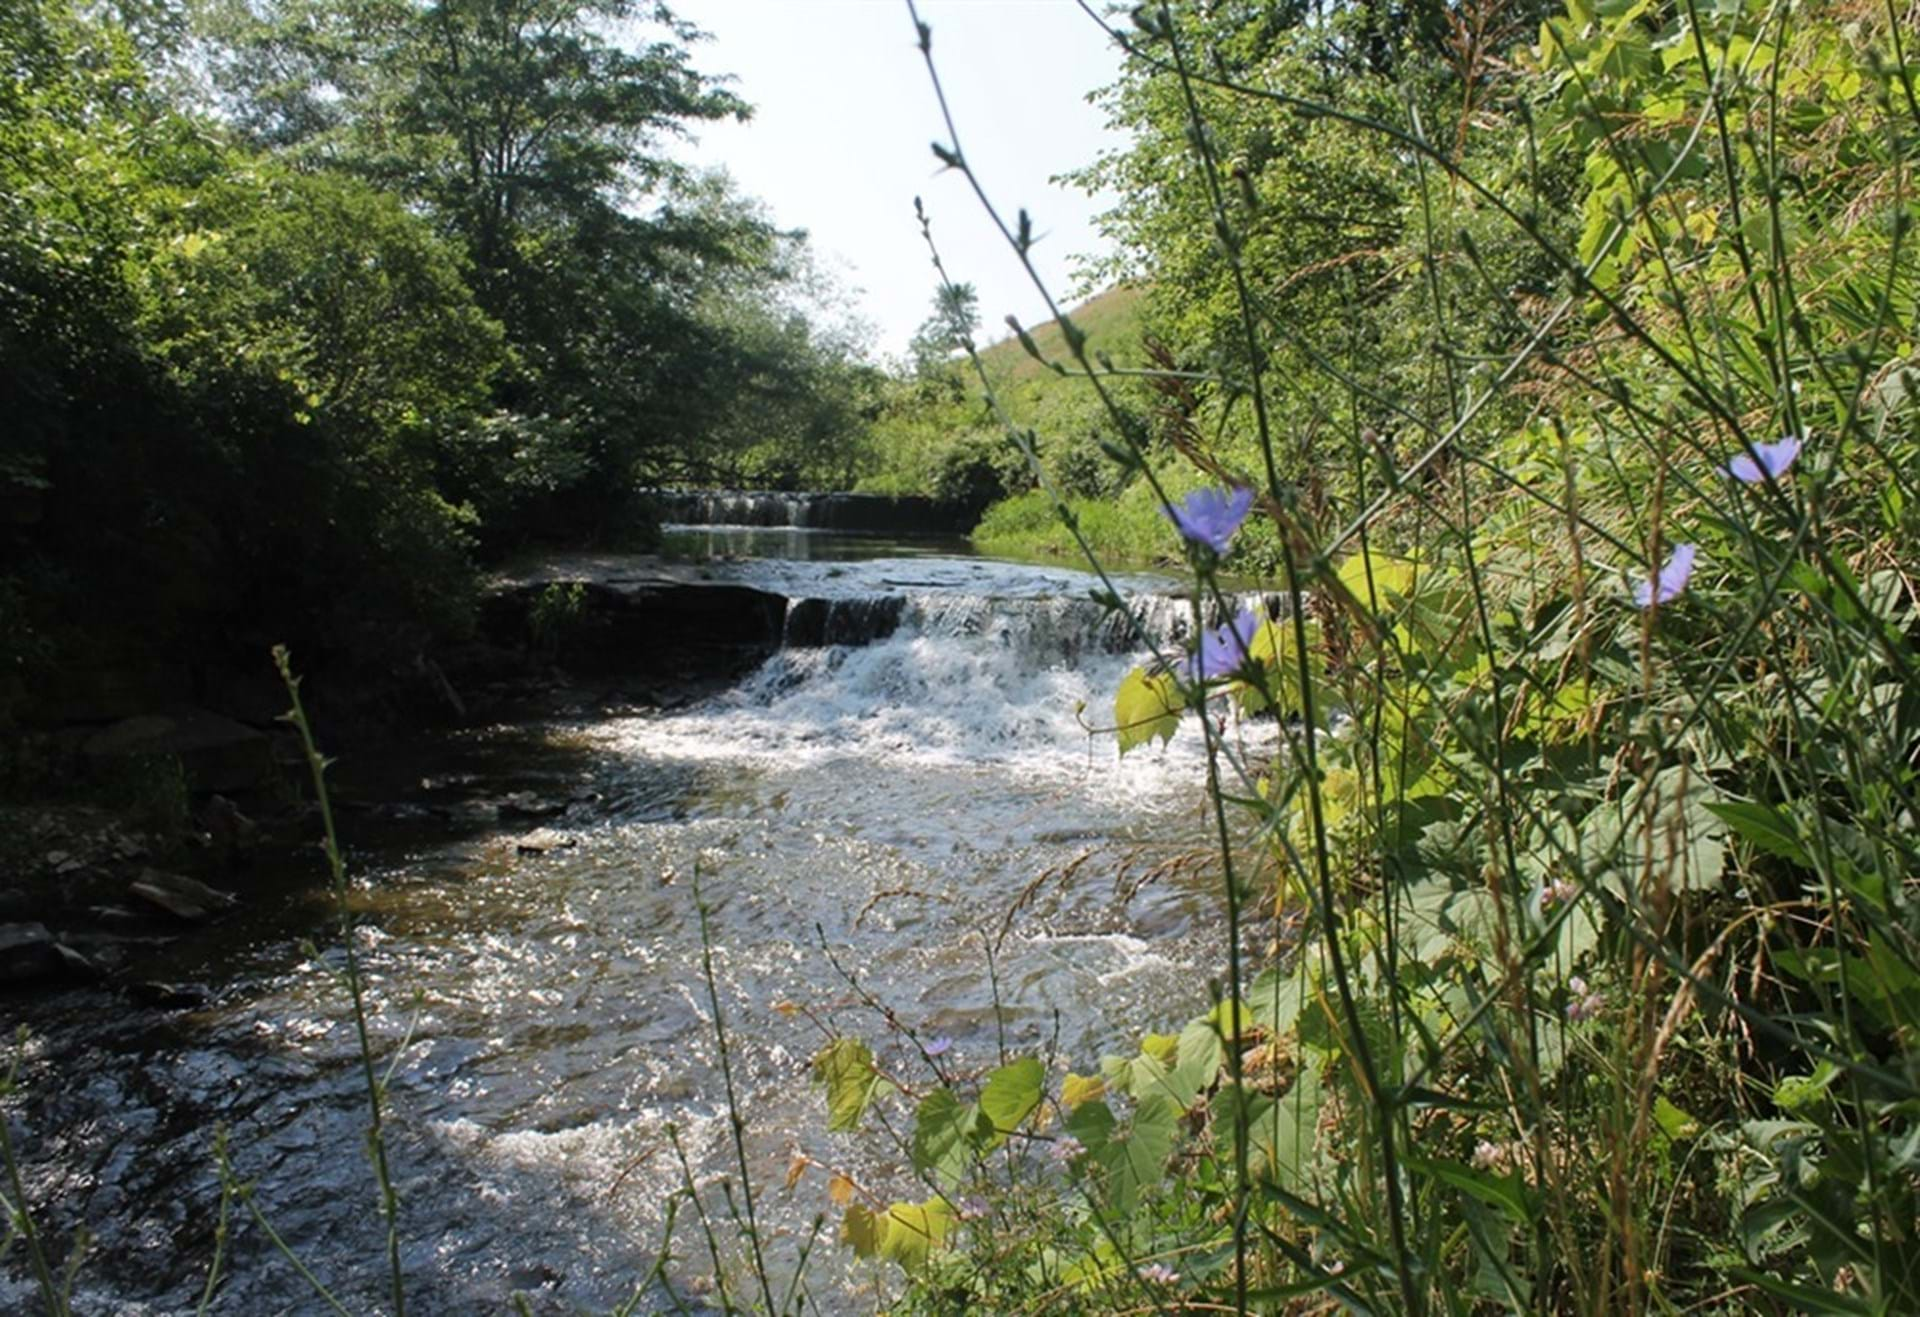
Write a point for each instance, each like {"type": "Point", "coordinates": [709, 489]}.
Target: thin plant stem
{"type": "Point", "coordinates": [337, 868]}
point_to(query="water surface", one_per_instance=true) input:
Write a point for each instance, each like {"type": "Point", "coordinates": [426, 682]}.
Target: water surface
{"type": "Point", "coordinates": [908, 814]}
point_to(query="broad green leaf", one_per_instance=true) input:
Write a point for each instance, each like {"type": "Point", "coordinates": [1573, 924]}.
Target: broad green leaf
{"type": "Point", "coordinates": [1224, 1112]}
{"type": "Point", "coordinates": [1274, 647]}
{"type": "Point", "coordinates": [1275, 999]}
{"type": "Point", "coordinates": [845, 1068]}
{"type": "Point", "coordinates": [1378, 580]}
{"type": "Point", "coordinates": [1137, 1160]}
{"type": "Point", "coordinates": [1198, 1058]}
{"type": "Point", "coordinates": [943, 1134]}
{"type": "Point", "coordinates": [1092, 1123]}
{"type": "Point", "coordinates": [1796, 1093]}
{"type": "Point", "coordinates": [1662, 829]}
{"type": "Point", "coordinates": [1010, 1095]}
{"type": "Point", "coordinates": [1146, 706]}
{"type": "Point", "coordinates": [1233, 1020]}
{"type": "Point", "coordinates": [1137, 1076]}
{"type": "Point", "coordinates": [1762, 826]}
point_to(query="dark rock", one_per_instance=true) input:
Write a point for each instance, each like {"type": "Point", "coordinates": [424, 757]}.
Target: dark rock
{"type": "Point", "coordinates": [215, 753]}
{"type": "Point", "coordinates": [186, 897]}
{"type": "Point", "coordinates": [30, 954]}
{"type": "Point", "coordinates": [27, 954]}
{"type": "Point", "coordinates": [641, 629]}
{"type": "Point", "coordinates": [116, 686]}
{"type": "Point", "coordinates": [169, 996]}
{"type": "Point", "coordinates": [229, 831]}
{"type": "Point", "coordinates": [812, 622]}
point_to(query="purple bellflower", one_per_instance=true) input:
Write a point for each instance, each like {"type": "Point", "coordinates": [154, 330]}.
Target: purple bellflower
{"type": "Point", "coordinates": [939, 1046]}
{"type": "Point", "coordinates": [1671, 580]}
{"type": "Point", "coordinates": [1223, 649]}
{"type": "Point", "coordinates": [1762, 461]}
{"type": "Point", "coordinates": [1211, 516]}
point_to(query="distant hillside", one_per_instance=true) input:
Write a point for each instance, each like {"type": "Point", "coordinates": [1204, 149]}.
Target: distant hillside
{"type": "Point", "coordinates": [1111, 321]}
{"type": "Point", "coordinates": [937, 435]}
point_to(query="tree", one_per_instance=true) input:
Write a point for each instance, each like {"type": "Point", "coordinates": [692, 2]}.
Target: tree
{"type": "Point", "coordinates": [524, 130]}
{"type": "Point", "coordinates": [951, 324]}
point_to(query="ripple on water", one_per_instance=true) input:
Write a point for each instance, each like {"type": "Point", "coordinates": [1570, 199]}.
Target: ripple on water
{"type": "Point", "coordinates": [896, 806]}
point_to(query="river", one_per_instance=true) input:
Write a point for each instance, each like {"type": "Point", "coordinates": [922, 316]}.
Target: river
{"type": "Point", "coordinates": [907, 805]}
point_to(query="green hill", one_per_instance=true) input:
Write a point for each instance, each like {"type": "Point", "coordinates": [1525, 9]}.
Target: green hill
{"type": "Point", "coordinates": [1110, 320]}
{"type": "Point", "coordinates": [938, 435]}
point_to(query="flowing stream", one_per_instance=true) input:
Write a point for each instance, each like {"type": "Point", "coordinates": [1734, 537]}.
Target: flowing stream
{"type": "Point", "coordinates": [904, 804]}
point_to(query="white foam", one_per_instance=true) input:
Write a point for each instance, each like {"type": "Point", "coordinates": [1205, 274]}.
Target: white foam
{"type": "Point", "coordinates": [965, 679]}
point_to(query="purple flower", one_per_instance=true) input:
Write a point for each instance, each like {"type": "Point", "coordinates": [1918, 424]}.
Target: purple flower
{"type": "Point", "coordinates": [1585, 1004]}
{"type": "Point", "coordinates": [939, 1046]}
{"type": "Point", "coordinates": [1065, 1148]}
{"type": "Point", "coordinates": [1223, 649]}
{"type": "Point", "coordinates": [1211, 516]}
{"type": "Point", "coordinates": [1671, 580]}
{"type": "Point", "coordinates": [1558, 892]}
{"type": "Point", "coordinates": [1761, 461]}
{"type": "Point", "coordinates": [1159, 1273]}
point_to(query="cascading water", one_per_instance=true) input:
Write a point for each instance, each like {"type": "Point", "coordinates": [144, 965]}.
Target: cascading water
{"type": "Point", "coordinates": [907, 804]}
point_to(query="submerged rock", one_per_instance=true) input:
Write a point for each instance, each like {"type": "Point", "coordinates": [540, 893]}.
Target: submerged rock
{"type": "Point", "coordinates": [542, 840]}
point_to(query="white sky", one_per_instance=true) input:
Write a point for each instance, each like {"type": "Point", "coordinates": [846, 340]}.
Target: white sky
{"type": "Point", "coordinates": [843, 117]}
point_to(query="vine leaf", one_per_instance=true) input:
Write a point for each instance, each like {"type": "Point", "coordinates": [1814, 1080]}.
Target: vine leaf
{"type": "Point", "coordinates": [1146, 706]}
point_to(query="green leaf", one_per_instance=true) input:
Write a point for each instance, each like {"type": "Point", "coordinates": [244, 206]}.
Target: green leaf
{"type": "Point", "coordinates": [1795, 1093]}
{"type": "Point", "coordinates": [943, 1134]}
{"type": "Point", "coordinates": [1010, 1095]}
{"type": "Point", "coordinates": [1199, 1056]}
{"type": "Point", "coordinates": [1137, 1161]}
{"type": "Point", "coordinates": [1806, 1298]}
{"type": "Point", "coordinates": [1675, 1123]}
{"type": "Point", "coordinates": [845, 1068]}
{"type": "Point", "coordinates": [1502, 1191]}
{"type": "Point", "coordinates": [1146, 706]}
{"type": "Point", "coordinates": [1275, 999]}
{"type": "Point", "coordinates": [1092, 1123]}
{"type": "Point", "coordinates": [1762, 826]}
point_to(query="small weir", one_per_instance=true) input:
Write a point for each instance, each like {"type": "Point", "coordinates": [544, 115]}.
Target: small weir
{"type": "Point", "coordinates": [908, 772]}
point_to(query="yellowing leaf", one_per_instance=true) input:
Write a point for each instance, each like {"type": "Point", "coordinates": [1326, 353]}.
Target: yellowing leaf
{"type": "Point", "coordinates": [1376, 579]}
{"type": "Point", "coordinates": [862, 1230]}
{"type": "Point", "coordinates": [839, 1190]}
{"type": "Point", "coordinates": [797, 1168]}
{"type": "Point", "coordinates": [1232, 1019]}
{"type": "Point", "coordinates": [1146, 707]}
{"type": "Point", "coordinates": [1276, 649]}
{"type": "Point", "coordinates": [1162, 1047]}
{"type": "Point", "coordinates": [914, 1230]}
{"type": "Point", "coordinates": [1081, 1088]}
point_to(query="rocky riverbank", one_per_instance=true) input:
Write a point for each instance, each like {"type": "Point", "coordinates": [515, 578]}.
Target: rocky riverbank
{"type": "Point", "coordinates": [129, 826]}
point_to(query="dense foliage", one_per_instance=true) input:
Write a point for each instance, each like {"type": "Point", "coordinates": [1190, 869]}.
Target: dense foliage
{"type": "Point", "coordinates": [1571, 356]}
{"type": "Point", "coordinates": [403, 282]}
